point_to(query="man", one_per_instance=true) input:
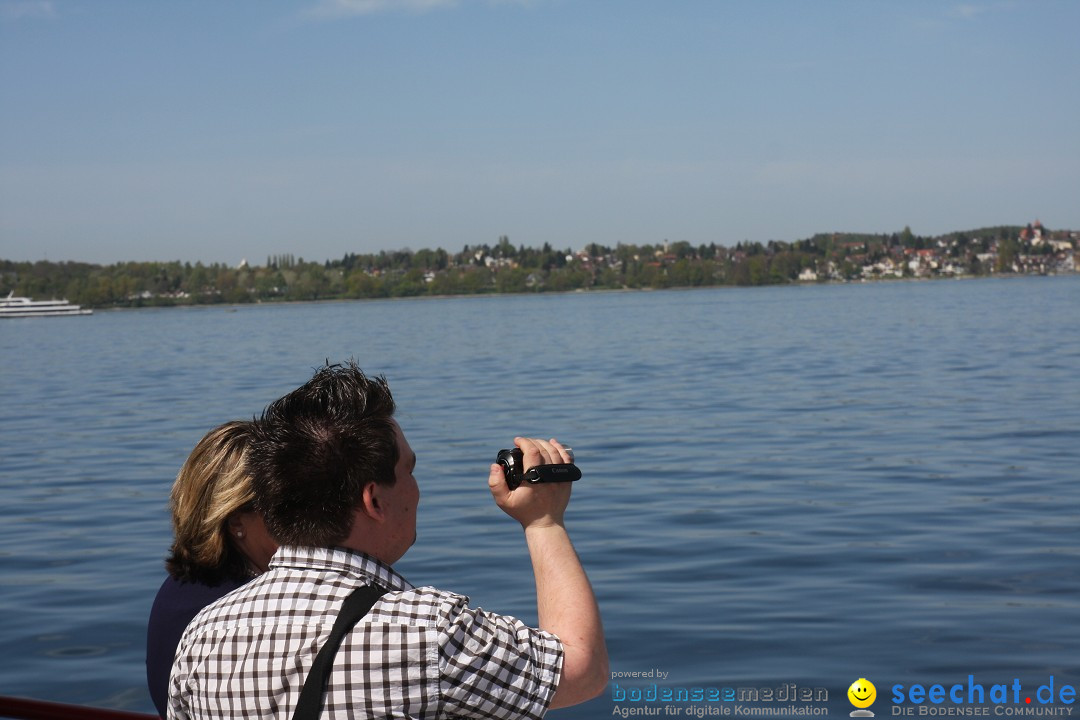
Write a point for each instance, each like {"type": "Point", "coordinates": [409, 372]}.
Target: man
{"type": "Point", "coordinates": [333, 478]}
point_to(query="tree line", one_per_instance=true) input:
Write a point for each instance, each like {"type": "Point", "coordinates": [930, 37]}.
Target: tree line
{"type": "Point", "coordinates": [501, 267]}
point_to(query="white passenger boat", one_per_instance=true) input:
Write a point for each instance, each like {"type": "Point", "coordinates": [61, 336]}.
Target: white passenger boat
{"type": "Point", "coordinates": [11, 307]}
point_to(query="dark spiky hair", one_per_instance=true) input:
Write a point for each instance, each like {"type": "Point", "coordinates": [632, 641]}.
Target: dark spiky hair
{"type": "Point", "coordinates": [314, 450]}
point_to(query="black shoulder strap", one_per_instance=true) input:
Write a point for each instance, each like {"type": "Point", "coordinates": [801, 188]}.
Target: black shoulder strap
{"type": "Point", "coordinates": [356, 606]}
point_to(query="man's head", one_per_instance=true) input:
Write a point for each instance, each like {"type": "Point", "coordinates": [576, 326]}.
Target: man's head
{"type": "Point", "coordinates": [314, 451]}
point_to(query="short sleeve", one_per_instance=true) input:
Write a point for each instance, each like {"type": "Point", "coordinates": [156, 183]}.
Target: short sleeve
{"type": "Point", "coordinates": [176, 702]}
{"type": "Point", "coordinates": [495, 666]}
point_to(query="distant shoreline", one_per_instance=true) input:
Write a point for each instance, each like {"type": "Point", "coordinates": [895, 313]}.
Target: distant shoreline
{"type": "Point", "coordinates": [505, 269]}
{"type": "Point", "coordinates": [589, 291]}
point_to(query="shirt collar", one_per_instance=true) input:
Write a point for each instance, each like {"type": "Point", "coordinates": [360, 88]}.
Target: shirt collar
{"type": "Point", "coordinates": [342, 560]}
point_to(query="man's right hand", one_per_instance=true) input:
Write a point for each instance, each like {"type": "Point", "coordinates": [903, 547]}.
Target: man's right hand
{"type": "Point", "coordinates": [533, 504]}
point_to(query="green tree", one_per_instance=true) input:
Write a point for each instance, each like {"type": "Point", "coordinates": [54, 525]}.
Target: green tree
{"type": "Point", "coordinates": [511, 280]}
{"type": "Point", "coordinates": [1008, 249]}
{"type": "Point", "coordinates": [907, 238]}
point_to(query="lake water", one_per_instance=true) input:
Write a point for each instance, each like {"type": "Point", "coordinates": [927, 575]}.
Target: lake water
{"type": "Point", "coordinates": [782, 485]}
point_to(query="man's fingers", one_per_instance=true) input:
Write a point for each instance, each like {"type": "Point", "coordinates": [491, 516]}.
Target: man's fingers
{"type": "Point", "coordinates": [532, 454]}
{"type": "Point", "coordinates": [548, 453]}
{"type": "Point", "coordinates": [566, 454]}
{"type": "Point", "coordinates": [543, 452]}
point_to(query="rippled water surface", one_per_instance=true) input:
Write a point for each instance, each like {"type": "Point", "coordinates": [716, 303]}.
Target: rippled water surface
{"type": "Point", "coordinates": [782, 485]}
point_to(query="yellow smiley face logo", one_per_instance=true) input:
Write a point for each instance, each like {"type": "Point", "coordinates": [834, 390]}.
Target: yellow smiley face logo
{"type": "Point", "coordinates": [862, 693]}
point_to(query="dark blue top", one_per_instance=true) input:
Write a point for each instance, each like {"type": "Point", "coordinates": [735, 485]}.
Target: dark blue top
{"type": "Point", "coordinates": [176, 604]}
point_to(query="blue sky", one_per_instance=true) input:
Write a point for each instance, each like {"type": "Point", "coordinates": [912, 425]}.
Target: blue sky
{"type": "Point", "coordinates": [221, 130]}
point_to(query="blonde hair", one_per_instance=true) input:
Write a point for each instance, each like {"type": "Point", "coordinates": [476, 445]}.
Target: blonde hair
{"type": "Point", "coordinates": [212, 485]}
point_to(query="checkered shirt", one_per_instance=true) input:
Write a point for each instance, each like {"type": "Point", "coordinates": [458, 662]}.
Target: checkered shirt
{"type": "Point", "coordinates": [419, 653]}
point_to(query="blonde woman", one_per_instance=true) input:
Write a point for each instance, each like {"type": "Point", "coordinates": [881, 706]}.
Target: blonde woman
{"type": "Point", "coordinates": [220, 543]}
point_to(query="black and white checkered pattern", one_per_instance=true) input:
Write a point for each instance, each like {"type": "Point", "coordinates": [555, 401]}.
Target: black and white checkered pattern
{"type": "Point", "coordinates": [419, 653]}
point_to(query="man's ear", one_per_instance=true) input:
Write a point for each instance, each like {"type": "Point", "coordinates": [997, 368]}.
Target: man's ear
{"type": "Point", "coordinates": [369, 503]}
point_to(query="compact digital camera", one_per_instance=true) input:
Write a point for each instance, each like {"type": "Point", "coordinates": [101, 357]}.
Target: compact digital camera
{"type": "Point", "coordinates": [512, 462]}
